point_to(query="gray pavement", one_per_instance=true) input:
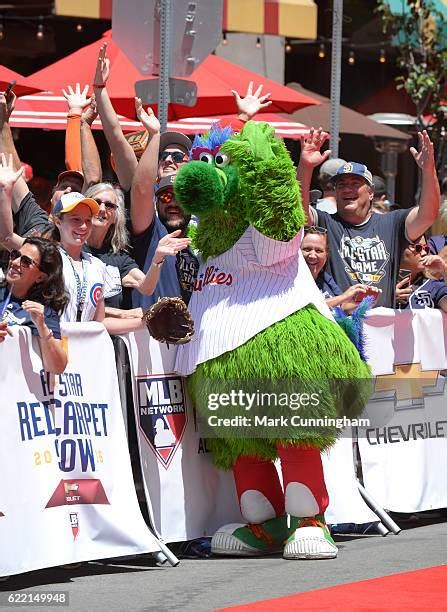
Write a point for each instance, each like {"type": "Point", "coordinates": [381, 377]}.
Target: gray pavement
{"type": "Point", "coordinates": [204, 585]}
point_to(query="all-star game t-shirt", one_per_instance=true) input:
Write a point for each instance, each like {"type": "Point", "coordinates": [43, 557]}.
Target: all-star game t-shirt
{"type": "Point", "coordinates": [368, 253]}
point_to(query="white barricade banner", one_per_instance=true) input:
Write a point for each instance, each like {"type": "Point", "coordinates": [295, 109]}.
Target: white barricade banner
{"type": "Point", "coordinates": [67, 492]}
{"type": "Point", "coordinates": [404, 451]}
{"type": "Point", "coordinates": [187, 495]}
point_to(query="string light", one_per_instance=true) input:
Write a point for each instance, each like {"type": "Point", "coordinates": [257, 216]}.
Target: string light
{"type": "Point", "coordinates": [322, 51]}
{"type": "Point", "coordinates": [224, 39]}
{"type": "Point", "coordinates": [288, 47]}
{"type": "Point", "coordinates": [351, 58]}
{"type": "Point", "coordinates": [79, 27]}
{"type": "Point", "coordinates": [258, 43]}
{"type": "Point", "coordinates": [40, 33]}
{"type": "Point", "coordinates": [382, 56]}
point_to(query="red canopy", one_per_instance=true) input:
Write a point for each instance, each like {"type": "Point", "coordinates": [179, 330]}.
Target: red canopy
{"type": "Point", "coordinates": [23, 85]}
{"type": "Point", "coordinates": [215, 77]}
{"type": "Point", "coordinates": [49, 111]}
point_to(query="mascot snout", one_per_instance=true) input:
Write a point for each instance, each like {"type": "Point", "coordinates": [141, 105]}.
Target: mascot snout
{"type": "Point", "coordinates": [199, 188]}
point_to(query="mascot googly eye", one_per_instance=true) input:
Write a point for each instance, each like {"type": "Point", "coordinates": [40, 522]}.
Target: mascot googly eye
{"type": "Point", "coordinates": [221, 160]}
{"type": "Point", "coordinates": [208, 158]}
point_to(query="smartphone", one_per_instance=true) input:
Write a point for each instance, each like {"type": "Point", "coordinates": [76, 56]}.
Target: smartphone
{"type": "Point", "coordinates": [9, 88]}
{"type": "Point", "coordinates": [404, 274]}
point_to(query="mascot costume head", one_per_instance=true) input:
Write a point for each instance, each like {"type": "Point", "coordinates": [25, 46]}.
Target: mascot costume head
{"type": "Point", "coordinates": [262, 324]}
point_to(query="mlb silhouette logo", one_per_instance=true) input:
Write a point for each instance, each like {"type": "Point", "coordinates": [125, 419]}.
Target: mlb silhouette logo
{"type": "Point", "coordinates": [74, 522]}
{"type": "Point", "coordinates": [162, 414]}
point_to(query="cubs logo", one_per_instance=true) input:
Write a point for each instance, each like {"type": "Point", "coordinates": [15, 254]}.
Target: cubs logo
{"type": "Point", "coordinates": [162, 415]}
{"type": "Point", "coordinates": [96, 293]}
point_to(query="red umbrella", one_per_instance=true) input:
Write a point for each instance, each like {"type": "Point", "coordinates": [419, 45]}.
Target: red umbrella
{"type": "Point", "coordinates": [23, 85]}
{"type": "Point", "coordinates": [215, 77]}
{"type": "Point", "coordinates": [48, 111]}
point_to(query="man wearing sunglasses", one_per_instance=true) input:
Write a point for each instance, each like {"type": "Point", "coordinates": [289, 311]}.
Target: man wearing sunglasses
{"type": "Point", "coordinates": [154, 215]}
{"type": "Point", "coordinates": [365, 246]}
{"type": "Point", "coordinates": [179, 273]}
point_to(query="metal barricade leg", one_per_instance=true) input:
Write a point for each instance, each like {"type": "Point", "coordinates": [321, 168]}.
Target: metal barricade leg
{"type": "Point", "coordinates": [123, 372]}
{"type": "Point", "coordinates": [384, 516]}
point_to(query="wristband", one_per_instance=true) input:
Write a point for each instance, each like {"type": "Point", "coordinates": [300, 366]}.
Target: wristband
{"type": "Point", "coordinates": [48, 336]}
{"type": "Point", "coordinates": [98, 86]}
{"type": "Point", "coordinates": [158, 264]}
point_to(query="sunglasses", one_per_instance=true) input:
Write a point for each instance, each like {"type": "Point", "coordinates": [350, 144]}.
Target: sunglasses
{"type": "Point", "coordinates": [25, 261]}
{"type": "Point", "coordinates": [166, 196]}
{"type": "Point", "coordinates": [418, 248]}
{"type": "Point", "coordinates": [107, 203]}
{"type": "Point", "coordinates": [176, 156]}
{"type": "Point", "coordinates": [314, 229]}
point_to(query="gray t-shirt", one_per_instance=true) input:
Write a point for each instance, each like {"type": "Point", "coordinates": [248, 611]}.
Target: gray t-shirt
{"type": "Point", "coordinates": [368, 253]}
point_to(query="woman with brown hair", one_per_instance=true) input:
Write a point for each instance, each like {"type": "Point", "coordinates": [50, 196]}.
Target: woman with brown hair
{"type": "Point", "coordinates": [33, 295]}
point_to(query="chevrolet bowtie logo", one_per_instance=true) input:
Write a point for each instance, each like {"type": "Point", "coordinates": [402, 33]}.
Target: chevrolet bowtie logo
{"type": "Point", "coordinates": [408, 385]}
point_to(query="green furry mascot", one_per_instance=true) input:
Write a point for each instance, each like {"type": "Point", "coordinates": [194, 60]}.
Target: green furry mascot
{"type": "Point", "coordinates": [263, 326]}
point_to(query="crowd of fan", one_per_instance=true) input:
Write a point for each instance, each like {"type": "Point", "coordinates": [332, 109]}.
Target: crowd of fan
{"type": "Point", "coordinates": [107, 251]}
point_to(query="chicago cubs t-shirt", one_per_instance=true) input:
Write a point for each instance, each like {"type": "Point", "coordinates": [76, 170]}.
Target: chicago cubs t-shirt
{"type": "Point", "coordinates": [91, 289]}
{"type": "Point", "coordinates": [368, 253]}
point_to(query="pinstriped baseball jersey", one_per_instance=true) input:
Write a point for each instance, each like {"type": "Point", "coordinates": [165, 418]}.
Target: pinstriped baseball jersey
{"type": "Point", "coordinates": [256, 283]}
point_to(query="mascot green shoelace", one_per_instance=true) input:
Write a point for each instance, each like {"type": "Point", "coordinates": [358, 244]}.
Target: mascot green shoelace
{"type": "Point", "coordinates": [262, 324]}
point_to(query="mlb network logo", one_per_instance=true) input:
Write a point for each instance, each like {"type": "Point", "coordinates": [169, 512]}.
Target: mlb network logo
{"type": "Point", "coordinates": [162, 414]}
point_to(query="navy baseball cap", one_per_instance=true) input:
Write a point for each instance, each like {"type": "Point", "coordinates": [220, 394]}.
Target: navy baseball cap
{"type": "Point", "coordinates": [354, 168]}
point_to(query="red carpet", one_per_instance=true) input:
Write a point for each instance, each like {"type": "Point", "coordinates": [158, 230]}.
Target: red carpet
{"type": "Point", "coordinates": [424, 589]}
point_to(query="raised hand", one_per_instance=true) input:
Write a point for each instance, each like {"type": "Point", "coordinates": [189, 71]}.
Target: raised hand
{"type": "Point", "coordinates": [91, 112]}
{"type": "Point", "coordinates": [77, 99]}
{"type": "Point", "coordinates": [147, 117]}
{"type": "Point", "coordinates": [170, 245]}
{"type": "Point", "coordinates": [102, 68]}
{"type": "Point", "coordinates": [311, 144]}
{"type": "Point", "coordinates": [424, 158]}
{"type": "Point", "coordinates": [7, 104]}
{"type": "Point", "coordinates": [252, 102]}
{"type": "Point", "coordinates": [8, 176]}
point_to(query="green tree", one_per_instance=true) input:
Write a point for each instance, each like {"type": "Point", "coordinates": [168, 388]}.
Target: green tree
{"type": "Point", "coordinates": [419, 35]}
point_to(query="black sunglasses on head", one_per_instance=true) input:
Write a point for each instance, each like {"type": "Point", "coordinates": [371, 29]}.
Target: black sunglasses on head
{"type": "Point", "coordinates": [25, 261]}
{"type": "Point", "coordinates": [176, 156]}
{"type": "Point", "coordinates": [106, 203]}
{"type": "Point", "coordinates": [314, 229]}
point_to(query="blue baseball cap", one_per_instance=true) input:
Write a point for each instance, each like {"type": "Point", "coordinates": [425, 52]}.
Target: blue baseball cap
{"type": "Point", "coordinates": [354, 168]}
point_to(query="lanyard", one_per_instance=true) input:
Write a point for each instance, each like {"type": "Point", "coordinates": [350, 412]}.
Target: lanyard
{"type": "Point", "coordinates": [5, 305]}
{"type": "Point", "coordinates": [81, 288]}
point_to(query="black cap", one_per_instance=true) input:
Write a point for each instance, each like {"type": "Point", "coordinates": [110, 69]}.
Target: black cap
{"type": "Point", "coordinates": [167, 182]}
